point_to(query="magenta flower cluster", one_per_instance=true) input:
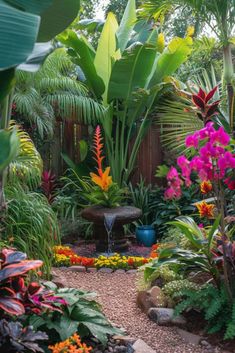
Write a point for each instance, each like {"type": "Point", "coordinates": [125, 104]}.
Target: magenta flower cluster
{"type": "Point", "coordinates": [211, 163]}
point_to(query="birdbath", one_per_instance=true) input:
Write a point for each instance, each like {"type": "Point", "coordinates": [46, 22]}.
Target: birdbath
{"type": "Point", "coordinates": [122, 215]}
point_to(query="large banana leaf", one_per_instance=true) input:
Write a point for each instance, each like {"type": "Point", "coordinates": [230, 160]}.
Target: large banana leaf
{"type": "Point", "coordinates": [172, 57]}
{"type": "Point", "coordinates": [83, 55]}
{"type": "Point", "coordinates": [127, 25]}
{"type": "Point", "coordinates": [57, 17]}
{"type": "Point", "coordinates": [132, 71]}
{"type": "Point", "coordinates": [106, 51]}
{"type": "Point", "coordinates": [18, 33]}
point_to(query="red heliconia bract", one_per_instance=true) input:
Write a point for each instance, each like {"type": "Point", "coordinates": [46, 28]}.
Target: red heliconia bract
{"type": "Point", "coordinates": [49, 185]}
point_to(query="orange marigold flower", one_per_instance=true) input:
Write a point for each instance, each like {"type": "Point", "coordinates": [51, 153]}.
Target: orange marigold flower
{"type": "Point", "coordinates": [205, 209]}
{"type": "Point", "coordinates": [206, 187]}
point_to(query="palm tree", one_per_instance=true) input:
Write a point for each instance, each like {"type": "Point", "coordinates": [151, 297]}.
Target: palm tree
{"type": "Point", "coordinates": [54, 91]}
{"type": "Point", "coordinates": [219, 16]}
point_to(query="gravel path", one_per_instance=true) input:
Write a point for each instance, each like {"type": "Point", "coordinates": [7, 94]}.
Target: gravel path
{"type": "Point", "coordinates": [117, 295]}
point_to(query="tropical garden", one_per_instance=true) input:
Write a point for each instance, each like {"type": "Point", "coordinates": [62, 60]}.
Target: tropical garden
{"type": "Point", "coordinates": [117, 176]}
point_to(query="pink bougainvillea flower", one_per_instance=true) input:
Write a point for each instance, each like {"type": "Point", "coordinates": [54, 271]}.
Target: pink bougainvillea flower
{"type": "Point", "coordinates": [230, 183]}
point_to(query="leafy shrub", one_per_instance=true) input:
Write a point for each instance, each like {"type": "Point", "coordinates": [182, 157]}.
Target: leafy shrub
{"type": "Point", "coordinates": [15, 338]}
{"type": "Point", "coordinates": [179, 286]}
{"type": "Point", "coordinates": [214, 303]}
{"type": "Point", "coordinates": [81, 315]}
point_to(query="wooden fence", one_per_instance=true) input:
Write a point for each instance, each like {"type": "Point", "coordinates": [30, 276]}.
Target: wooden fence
{"type": "Point", "coordinates": [66, 139]}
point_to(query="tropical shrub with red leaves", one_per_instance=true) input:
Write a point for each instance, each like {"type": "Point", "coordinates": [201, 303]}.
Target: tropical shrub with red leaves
{"type": "Point", "coordinates": [201, 101]}
{"type": "Point", "coordinates": [17, 297]}
{"type": "Point", "coordinates": [48, 185]}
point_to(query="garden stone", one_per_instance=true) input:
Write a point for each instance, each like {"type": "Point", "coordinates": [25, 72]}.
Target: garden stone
{"type": "Point", "coordinates": [144, 301]}
{"type": "Point", "coordinates": [91, 269]}
{"type": "Point", "coordinates": [124, 339]}
{"type": "Point", "coordinates": [165, 316]}
{"type": "Point", "coordinates": [78, 268]}
{"type": "Point", "coordinates": [189, 337]}
{"type": "Point", "coordinates": [131, 271]}
{"type": "Point", "coordinates": [157, 297]}
{"type": "Point", "coordinates": [106, 270]}
{"type": "Point", "coordinates": [120, 271]}
{"type": "Point", "coordinates": [141, 347]}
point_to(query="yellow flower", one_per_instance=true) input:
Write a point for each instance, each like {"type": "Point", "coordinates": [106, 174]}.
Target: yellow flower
{"type": "Point", "coordinates": [160, 42]}
{"type": "Point", "coordinates": [205, 209]}
{"type": "Point", "coordinates": [190, 31]}
{"type": "Point", "coordinates": [104, 180]}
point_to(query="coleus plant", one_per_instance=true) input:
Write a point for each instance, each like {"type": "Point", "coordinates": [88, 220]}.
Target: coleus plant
{"type": "Point", "coordinates": [201, 101]}
{"type": "Point", "coordinates": [16, 338]}
{"type": "Point", "coordinates": [17, 298]}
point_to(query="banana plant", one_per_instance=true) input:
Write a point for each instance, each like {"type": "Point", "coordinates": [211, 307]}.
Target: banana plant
{"type": "Point", "coordinates": [126, 73]}
{"type": "Point", "coordinates": [219, 17]}
{"type": "Point", "coordinates": [24, 22]}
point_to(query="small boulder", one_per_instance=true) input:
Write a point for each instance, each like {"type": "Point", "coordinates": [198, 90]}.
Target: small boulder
{"type": "Point", "coordinates": [77, 268]}
{"type": "Point", "coordinates": [157, 297]}
{"type": "Point", "coordinates": [165, 317]}
{"type": "Point", "coordinates": [106, 270]}
{"type": "Point", "coordinates": [189, 337]}
{"type": "Point", "coordinates": [144, 301]}
{"type": "Point", "coordinates": [141, 347]}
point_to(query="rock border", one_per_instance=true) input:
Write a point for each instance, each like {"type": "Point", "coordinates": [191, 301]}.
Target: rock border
{"type": "Point", "coordinates": [94, 269]}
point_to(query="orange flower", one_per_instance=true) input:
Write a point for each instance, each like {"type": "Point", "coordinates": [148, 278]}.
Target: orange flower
{"type": "Point", "coordinates": [205, 209]}
{"type": "Point", "coordinates": [102, 179]}
{"type": "Point", "coordinates": [206, 187]}
{"type": "Point", "coordinates": [72, 345]}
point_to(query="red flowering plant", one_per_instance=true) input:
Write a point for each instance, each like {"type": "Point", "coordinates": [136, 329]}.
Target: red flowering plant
{"type": "Point", "coordinates": [102, 190]}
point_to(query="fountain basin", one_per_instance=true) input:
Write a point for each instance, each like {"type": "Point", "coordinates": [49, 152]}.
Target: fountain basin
{"type": "Point", "coordinates": [123, 215]}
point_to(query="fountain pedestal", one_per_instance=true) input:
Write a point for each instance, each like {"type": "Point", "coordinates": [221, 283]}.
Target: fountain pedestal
{"type": "Point", "coordinates": [123, 215]}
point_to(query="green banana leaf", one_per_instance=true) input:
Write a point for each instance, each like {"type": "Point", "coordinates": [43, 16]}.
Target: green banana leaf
{"type": "Point", "coordinates": [127, 25]}
{"type": "Point", "coordinates": [132, 71]}
{"type": "Point", "coordinates": [106, 51]}
{"type": "Point", "coordinates": [56, 18]}
{"type": "Point", "coordinates": [83, 55]}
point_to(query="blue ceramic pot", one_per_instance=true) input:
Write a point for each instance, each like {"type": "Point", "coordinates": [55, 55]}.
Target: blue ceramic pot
{"type": "Point", "coordinates": [146, 235]}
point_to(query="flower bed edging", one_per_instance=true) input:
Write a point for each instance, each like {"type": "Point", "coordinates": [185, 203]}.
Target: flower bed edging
{"type": "Point", "coordinates": [94, 270]}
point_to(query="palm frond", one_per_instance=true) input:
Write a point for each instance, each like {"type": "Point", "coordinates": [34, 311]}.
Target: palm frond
{"type": "Point", "coordinates": [26, 169]}
{"type": "Point", "coordinates": [77, 108]}
{"type": "Point", "coordinates": [176, 120]}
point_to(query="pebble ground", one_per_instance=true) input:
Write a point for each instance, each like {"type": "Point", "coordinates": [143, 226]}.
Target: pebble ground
{"type": "Point", "coordinates": [116, 292]}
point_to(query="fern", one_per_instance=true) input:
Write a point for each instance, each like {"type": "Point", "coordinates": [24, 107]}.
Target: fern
{"type": "Point", "coordinates": [215, 305]}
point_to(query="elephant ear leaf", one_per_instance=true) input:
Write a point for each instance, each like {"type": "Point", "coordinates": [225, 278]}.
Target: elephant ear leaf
{"type": "Point", "coordinates": [9, 145]}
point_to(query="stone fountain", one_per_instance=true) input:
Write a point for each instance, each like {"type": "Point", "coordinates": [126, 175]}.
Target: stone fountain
{"type": "Point", "coordinates": [108, 226]}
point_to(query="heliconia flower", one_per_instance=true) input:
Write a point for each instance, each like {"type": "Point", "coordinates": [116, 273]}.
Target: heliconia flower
{"type": "Point", "coordinates": [206, 187]}
{"type": "Point", "coordinates": [205, 209]}
{"type": "Point", "coordinates": [104, 180]}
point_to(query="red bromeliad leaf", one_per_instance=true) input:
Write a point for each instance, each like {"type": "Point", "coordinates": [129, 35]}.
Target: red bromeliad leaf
{"type": "Point", "coordinates": [7, 292]}
{"type": "Point", "coordinates": [34, 288]}
{"type": "Point", "coordinates": [198, 101]}
{"type": "Point", "coordinates": [213, 109]}
{"type": "Point", "coordinates": [201, 94]}
{"type": "Point", "coordinates": [19, 269]}
{"type": "Point", "coordinates": [211, 94]}
{"type": "Point", "coordinates": [18, 284]}
{"type": "Point", "coordinates": [12, 306]}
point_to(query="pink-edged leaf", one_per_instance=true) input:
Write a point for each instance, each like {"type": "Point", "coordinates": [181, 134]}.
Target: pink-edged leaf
{"type": "Point", "coordinates": [19, 269]}
{"type": "Point", "coordinates": [7, 292]}
{"type": "Point", "coordinates": [213, 109]}
{"type": "Point", "coordinates": [11, 306]}
{"type": "Point", "coordinates": [198, 101]}
{"type": "Point", "coordinates": [211, 94]}
{"type": "Point", "coordinates": [201, 94]}
{"type": "Point", "coordinates": [11, 256]}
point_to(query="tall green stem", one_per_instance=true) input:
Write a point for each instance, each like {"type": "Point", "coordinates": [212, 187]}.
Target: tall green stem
{"type": "Point", "coordinates": [228, 77]}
